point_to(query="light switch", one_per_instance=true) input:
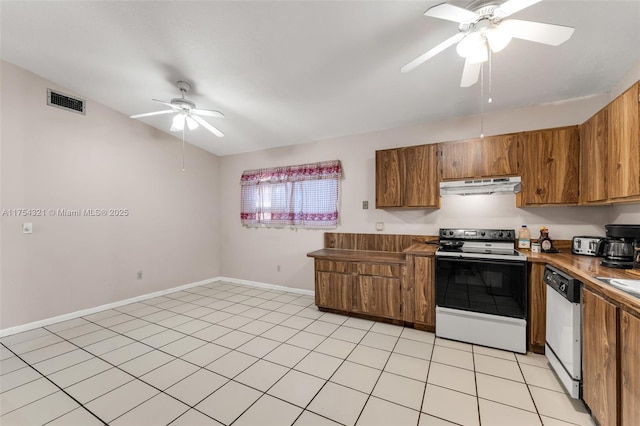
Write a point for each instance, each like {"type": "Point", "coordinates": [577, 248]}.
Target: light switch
{"type": "Point", "coordinates": [365, 205]}
{"type": "Point", "coordinates": [27, 228]}
{"type": "Point", "coordinates": [379, 226]}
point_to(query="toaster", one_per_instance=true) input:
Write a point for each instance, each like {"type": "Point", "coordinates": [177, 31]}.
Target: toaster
{"type": "Point", "coordinates": [587, 246]}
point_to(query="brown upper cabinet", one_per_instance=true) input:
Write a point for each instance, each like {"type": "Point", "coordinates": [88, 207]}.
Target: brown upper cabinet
{"type": "Point", "coordinates": [491, 156]}
{"type": "Point", "coordinates": [624, 146]}
{"type": "Point", "coordinates": [407, 177]}
{"type": "Point", "coordinates": [549, 167]}
{"type": "Point", "coordinates": [594, 138]}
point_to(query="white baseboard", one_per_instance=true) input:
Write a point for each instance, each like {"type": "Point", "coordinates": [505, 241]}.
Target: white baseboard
{"type": "Point", "coordinates": [66, 317]}
{"type": "Point", "coordinates": [268, 286]}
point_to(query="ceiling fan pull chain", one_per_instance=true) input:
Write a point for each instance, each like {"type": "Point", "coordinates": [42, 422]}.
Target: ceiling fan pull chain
{"type": "Point", "coordinates": [490, 72]}
{"type": "Point", "coordinates": [482, 101]}
{"type": "Point", "coordinates": [183, 149]}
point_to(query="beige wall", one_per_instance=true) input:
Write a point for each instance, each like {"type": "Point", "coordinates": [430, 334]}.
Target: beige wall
{"type": "Point", "coordinates": [56, 159]}
{"type": "Point", "coordinates": [185, 227]}
{"type": "Point", "coordinates": [254, 254]}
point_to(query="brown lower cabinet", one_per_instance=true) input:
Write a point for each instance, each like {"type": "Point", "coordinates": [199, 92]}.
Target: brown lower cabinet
{"type": "Point", "coordinates": [629, 369]}
{"type": "Point", "coordinates": [425, 298]}
{"type": "Point", "coordinates": [361, 287]}
{"type": "Point", "coordinates": [537, 308]}
{"type": "Point", "coordinates": [600, 357]}
{"type": "Point", "coordinates": [378, 296]}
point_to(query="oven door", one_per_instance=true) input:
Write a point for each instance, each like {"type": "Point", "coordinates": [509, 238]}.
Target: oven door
{"type": "Point", "coordinates": [489, 286]}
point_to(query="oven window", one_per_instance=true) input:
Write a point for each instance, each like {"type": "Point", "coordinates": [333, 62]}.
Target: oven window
{"type": "Point", "coordinates": [487, 286]}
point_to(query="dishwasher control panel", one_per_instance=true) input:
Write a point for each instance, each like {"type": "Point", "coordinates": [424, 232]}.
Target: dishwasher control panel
{"type": "Point", "coordinates": [563, 283]}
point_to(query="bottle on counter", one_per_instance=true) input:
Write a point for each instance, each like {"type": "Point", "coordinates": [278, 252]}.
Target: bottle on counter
{"type": "Point", "coordinates": [524, 238]}
{"type": "Point", "coordinates": [545, 242]}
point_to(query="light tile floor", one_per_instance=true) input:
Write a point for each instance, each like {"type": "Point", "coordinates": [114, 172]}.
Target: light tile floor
{"type": "Point", "coordinates": [232, 354]}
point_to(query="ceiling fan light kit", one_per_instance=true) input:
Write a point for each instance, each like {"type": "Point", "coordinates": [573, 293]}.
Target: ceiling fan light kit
{"type": "Point", "coordinates": [186, 112]}
{"type": "Point", "coordinates": [482, 26]}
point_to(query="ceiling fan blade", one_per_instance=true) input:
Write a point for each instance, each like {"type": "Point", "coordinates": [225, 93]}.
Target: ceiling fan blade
{"type": "Point", "coordinates": [451, 13]}
{"type": "Point", "coordinates": [149, 114]}
{"type": "Point", "coordinates": [553, 35]}
{"type": "Point", "coordinates": [207, 112]}
{"type": "Point", "coordinates": [470, 73]}
{"type": "Point", "coordinates": [512, 6]}
{"type": "Point", "coordinates": [163, 102]}
{"type": "Point", "coordinates": [433, 52]}
{"type": "Point", "coordinates": [208, 126]}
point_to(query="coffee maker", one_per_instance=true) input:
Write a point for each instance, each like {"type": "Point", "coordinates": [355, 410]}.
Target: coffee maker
{"type": "Point", "coordinates": [621, 249]}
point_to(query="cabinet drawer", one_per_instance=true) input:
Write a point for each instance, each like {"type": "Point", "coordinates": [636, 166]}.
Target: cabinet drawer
{"type": "Point", "coordinates": [378, 269]}
{"type": "Point", "coordinates": [334, 266]}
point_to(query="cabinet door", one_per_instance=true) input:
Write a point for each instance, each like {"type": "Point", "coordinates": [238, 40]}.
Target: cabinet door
{"type": "Point", "coordinates": [599, 357]}
{"type": "Point", "coordinates": [421, 179]}
{"type": "Point", "coordinates": [488, 157]}
{"type": "Point", "coordinates": [550, 161]}
{"type": "Point", "coordinates": [624, 145]}
{"type": "Point", "coordinates": [389, 178]}
{"type": "Point", "coordinates": [378, 296]}
{"type": "Point", "coordinates": [425, 300]}
{"type": "Point", "coordinates": [593, 154]}
{"type": "Point", "coordinates": [537, 323]}
{"type": "Point", "coordinates": [334, 291]}
{"type": "Point", "coordinates": [630, 369]}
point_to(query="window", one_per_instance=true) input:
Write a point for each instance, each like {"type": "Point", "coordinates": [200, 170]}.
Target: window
{"type": "Point", "coordinates": [305, 195]}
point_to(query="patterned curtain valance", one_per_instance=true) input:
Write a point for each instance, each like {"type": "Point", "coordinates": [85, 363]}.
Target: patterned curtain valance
{"type": "Point", "coordinates": [312, 171]}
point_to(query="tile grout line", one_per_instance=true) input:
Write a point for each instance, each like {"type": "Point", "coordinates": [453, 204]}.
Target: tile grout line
{"type": "Point", "coordinates": [56, 385]}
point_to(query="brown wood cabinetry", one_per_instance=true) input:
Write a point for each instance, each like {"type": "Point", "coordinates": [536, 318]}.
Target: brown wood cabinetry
{"type": "Point", "coordinates": [367, 288]}
{"type": "Point", "coordinates": [488, 157]}
{"type": "Point", "coordinates": [334, 291]}
{"type": "Point", "coordinates": [537, 307]}
{"type": "Point", "coordinates": [629, 369]}
{"type": "Point", "coordinates": [594, 139]}
{"type": "Point", "coordinates": [378, 296]}
{"type": "Point", "coordinates": [549, 164]}
{"type": "Point", "coordinates": [389, 178]}
{"type": "Point", "coordinates": [407, 177]}
{"type": "Point", "coordinates": [600, 357]}
{"type": "Point", "coordinates": [624, 145]}
{"type": "Point", "coordinates": [425, 298]}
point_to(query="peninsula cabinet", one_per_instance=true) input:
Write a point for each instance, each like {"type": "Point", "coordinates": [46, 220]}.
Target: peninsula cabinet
{"type": "Point", "coordinates": [599, 358]}
{"type": "Point", "coordinates": [361, 287]}
{"type": "Point", "coordinates": [630, 369]}
{"type": "Point", "coordinates": [594, 138]}
{"type": "Point", "coordinates": [492, 156]}
{"type": "Point", "coordinates": [549, 167]}
{"type": "Point", "coordinates": [407, 177]}
{"type": "Point", "coordinates": [624, 146]}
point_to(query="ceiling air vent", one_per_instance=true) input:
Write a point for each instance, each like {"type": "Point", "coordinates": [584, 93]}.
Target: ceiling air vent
{"type": "Point", "coordinates": [66, 102]}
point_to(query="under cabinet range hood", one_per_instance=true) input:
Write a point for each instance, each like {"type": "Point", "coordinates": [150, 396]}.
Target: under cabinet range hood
{"type": "Point", "coordinates": [505, 185]}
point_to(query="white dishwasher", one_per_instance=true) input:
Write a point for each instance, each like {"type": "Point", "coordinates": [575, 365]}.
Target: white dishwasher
{"type": "Point", "coordinates": [563, 345]}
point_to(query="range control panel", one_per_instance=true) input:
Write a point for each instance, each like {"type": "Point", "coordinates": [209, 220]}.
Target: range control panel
{"type": "Point", "coordinates": [477, 234]}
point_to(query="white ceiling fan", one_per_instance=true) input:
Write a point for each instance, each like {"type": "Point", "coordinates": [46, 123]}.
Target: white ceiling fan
{"type": "Point", "coordinates": [482, 26]}
{"type": "Point", "coordinates": [186, 112]}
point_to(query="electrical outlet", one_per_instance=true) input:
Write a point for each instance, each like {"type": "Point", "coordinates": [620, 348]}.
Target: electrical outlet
{"type": "Point", "coordinates": [379, 226]}
{"type": "Point", "coordinates": [365, 205]}
{"type": "Point", "coordinates": [27, 228]}
{"type": "Point", "coordinates": [139, 275]}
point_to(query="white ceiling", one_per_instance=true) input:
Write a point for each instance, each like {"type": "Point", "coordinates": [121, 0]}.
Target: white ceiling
{"type": "Point", "coordinates": [290, 72]}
